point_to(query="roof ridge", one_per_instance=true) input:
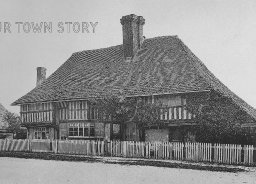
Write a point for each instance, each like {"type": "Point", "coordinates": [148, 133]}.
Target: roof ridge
{"type": "Point", "coordinates": [165, 36]}
{"type": "Point", "coordinates": [99, 49]}
{"type": "Point", "coordinates": [120, 45]}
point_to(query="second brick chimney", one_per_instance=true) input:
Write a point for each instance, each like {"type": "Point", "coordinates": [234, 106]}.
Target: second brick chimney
{"type": "Point", "coordinates": [132, 34]}
{"type": "Point", "coordinates": [41, 75]}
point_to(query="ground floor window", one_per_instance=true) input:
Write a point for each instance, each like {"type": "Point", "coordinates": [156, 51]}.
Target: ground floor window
{"type": "Point", "coordinates": [41, 133]}
{"type": "Point", "coordinates": [81, 130]}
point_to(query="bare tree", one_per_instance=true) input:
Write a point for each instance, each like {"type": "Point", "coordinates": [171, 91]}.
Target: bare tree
{"type": "Point", "coordinates": [13, 122]}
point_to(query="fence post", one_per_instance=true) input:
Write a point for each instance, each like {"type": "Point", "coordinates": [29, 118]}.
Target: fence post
{"type": "Point", "coordinates": [29, 145]}
{"type": "Point", "coordinates": [245, 154]}
{"type": "Point", "coordinates": [56, 145]}
{"type": "Point", "coordinates": [105, 143]}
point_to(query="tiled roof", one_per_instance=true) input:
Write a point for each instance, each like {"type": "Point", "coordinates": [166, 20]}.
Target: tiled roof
{"type": "Point", "coordinates": [162, 65]}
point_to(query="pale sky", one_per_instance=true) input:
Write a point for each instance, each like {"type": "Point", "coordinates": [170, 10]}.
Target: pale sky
{"type": "Point", "coordinates": [221, 33]}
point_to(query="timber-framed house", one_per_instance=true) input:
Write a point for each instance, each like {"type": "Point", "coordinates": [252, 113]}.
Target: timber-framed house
{"type": "Point", "coordinates": [154, 69]}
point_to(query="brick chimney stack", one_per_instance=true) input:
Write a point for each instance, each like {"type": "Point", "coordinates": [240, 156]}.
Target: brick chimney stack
{"type": "Point", "coordinates": [132, 34]}
{"type": "Point", "coordinates": [41, 75]}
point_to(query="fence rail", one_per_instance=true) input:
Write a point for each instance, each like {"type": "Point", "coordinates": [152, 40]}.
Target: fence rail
{"type": "Point", "coordinates": [197, 152]}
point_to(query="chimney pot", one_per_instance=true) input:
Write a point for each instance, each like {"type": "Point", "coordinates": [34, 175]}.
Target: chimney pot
{"type": "Point", "coordinates": [41, 75]}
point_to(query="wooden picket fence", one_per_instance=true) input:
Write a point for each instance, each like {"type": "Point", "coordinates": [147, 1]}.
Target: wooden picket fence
{"type": "Point", "coordinates": [83, 147]}
{"type": "Point", "coordinates": [14, 145]}
{"type": "Point", "coordinates": [196, 152]}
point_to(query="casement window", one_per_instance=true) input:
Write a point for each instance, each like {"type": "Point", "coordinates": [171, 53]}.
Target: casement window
{"type": "Point", "coordinates": [116, 128]}
{"type": "Point", "coordinates": [173, 108]}
{"type": "Point", "coordinates": [77, 110]}
{"type": "Point", "coordinates": [86, 132]}
{"type": "Point", "coordinates": [81, 130]}
{"type": "Point", "coordinates": [41, 133]}
{"type": "Point", "coordinates": [37, 112]}
{"type": "Point", "coordinates": [92, 130]}
{"type": "Point", "coordinates": [146, 99]}
{"type": "Point", "coordinates": [73, 131]}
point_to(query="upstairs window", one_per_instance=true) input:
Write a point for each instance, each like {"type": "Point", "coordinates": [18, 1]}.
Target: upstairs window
{"type": "Point", "coordinates": [36, 112]}
{"type": "Point", "coordinates": [77, 110]}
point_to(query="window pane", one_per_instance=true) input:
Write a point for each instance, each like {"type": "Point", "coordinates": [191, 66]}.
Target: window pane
{"type": "Point", "coordinates": [75, 131]}
{"type": "Point", "coordinates": [39, 135]}
{"type": "Point", "coordinates": [116, 128]}
{"type": "Point", "coordinates": [70, 132]}
{"type": "Point", "coordinates": [86, 131]}
{"type": "Point", "coordinates": [92, 113]}
{"type": "Point", "coordinates": [80, 131]}
{"type": "Point", "coordinates": [92, 131]}
{"type": "Point", "coordinates": [43, 135]}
